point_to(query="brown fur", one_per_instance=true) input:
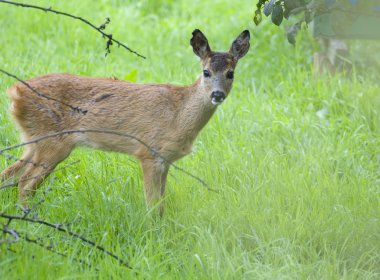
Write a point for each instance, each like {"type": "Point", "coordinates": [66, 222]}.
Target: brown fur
{"type": "Point", "coordinates": [165, 117]}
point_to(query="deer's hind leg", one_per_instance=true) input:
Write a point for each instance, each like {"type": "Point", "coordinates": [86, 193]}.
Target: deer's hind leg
{"type": "Point", "coordinates": [19, 166]}
{"type": "Point", "coordinates": [46, 155]}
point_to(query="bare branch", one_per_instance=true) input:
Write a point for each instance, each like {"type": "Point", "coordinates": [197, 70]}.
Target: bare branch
{"type": "Point", "coordinates": [122, 134]}
{"type": "Point", "coordinates": [18, 236]}
{"type": "Point", "coordinates": [27, 211]}
{"type": "Point", "coordinates": [76, 109]}
{"type": "Point", "coordinates": [99, 29]}
{"type": "Point", "coordinates": [60, 228]}
{"type": "Point", "coordinates": [12, 157]}
{"type": "Point", "coordinates": [13, 184]}
{"type": "Point", "coordinates": [11, 232]}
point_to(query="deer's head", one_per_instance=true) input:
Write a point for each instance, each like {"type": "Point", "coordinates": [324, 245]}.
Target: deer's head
{"type": "Point", "coordinates": [218, 67]}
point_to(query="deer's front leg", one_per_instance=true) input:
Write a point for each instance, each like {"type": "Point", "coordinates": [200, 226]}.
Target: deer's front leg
{"type": "Point", "coordinates": [155, 173]}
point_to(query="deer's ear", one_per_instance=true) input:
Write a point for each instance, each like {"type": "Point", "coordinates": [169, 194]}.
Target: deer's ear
{"type": "Point", "coordinates": [240, 46]}
{"type": "Point", "coordinates": [200, 44]}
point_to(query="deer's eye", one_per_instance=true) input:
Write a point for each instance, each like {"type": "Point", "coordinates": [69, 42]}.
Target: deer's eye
{"type": "Point", "coordinates": [230, 75]}
{"type": "Point", "coordinates": [206, 73]}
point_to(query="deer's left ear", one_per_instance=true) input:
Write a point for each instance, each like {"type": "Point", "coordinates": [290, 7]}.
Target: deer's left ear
{"type": "Point", "coordinates": [240, 46]}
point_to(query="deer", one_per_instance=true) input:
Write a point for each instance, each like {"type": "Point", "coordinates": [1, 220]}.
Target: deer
{"type": "Point", "coordinates": [164, 119]}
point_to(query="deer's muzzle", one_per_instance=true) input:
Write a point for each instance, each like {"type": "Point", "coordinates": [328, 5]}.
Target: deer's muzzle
{"type": "Point", "coordinates": [217, 97]}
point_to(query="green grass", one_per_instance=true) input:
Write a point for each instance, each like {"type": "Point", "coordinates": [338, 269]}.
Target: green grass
{"type": "Point", "coordinates": [296, 159]}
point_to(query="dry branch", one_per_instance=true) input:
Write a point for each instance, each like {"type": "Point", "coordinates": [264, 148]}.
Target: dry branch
{"type": "Point", "coordinates": [13, 184]}
{"type": "Point", "coordinates": [57, 227]}
{"type": "Point", "coordinates": [101, 131]}
{"type": "Point", "coordinates": [18, 236]}
{"type": "Point", "coordinates": [61, 228]}
{"type": "Point", "coordinates": [75, 109]}
{"type": "Point", "coordinates": [110, 39]}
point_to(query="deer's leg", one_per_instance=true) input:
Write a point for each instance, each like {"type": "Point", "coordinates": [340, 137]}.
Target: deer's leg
{"type": "Point", "coordinates": [155, 173]}
{"type": "Point", "coordinates": [15, 169]}
{"type": "Point", "coordinates": [46, 157]}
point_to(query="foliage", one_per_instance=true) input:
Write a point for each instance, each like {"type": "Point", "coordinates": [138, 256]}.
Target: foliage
{"type": "Point", "coordinates": [309, 9]}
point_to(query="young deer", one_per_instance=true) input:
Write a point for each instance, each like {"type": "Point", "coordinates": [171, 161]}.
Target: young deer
{"type": "Point", "coordinates": [162, 118]}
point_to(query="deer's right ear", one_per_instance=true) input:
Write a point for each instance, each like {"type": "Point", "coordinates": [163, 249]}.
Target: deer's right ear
{"type": "Point", "coordinates": [200, 44]}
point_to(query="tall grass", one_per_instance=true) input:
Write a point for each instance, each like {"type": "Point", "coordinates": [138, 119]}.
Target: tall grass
{"type": "Point", "coordinates": [296, 159]}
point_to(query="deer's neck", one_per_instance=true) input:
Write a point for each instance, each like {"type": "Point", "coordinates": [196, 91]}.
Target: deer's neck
{"type": "Point", "coordinates": [196, 111]}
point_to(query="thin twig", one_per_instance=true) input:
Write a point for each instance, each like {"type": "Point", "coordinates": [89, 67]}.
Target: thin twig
{"type": "Point", "coordinates": [100, 29]}
{"type": "Point", "coordinates": [14, 158]}
{"type": "Point", "coordinates": [59, 227]}
{"type": "Point", "coordinates": [19, 236]}
{"type": "Point", "coordinates": [12, 232]}
{"type": "Point", "coordinates": [13, 184]}
{"type": "Point", "coordinates": [27, 211]}
{"type": "Point", "coordinates": [76, 109]}
{"type": "Point", "coordinates": [122, 134]}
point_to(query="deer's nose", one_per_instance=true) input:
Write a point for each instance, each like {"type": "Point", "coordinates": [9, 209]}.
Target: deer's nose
{"type": "Point", "coordinates": [217, 97]}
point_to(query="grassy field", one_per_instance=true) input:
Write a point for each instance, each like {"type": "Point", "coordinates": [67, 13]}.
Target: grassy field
{"type": "Point", "coordinates": [296, 159]}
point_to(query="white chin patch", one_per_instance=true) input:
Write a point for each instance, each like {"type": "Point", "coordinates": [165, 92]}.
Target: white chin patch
{"type": "Point", "coordinates": [214, 102]}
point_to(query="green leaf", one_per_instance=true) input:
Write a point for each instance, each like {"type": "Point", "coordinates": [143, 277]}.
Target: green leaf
{"type": "Point", "coordinates": [277, 14]}
{"type": "Point", "coordinates": [292, 33]}
{"type": "Point", "coordinates": [308, 16]}
{"type": "Point", "coordinates": [293, 7]}
{"type": "Point", "coordinates": [131, 76]}
{"type": "Point", "coordinates": [268, 8]}
{"type": "Point", "coordinates": [258, 17]}
{"type": "Point", "coordinates": [292, 4]}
